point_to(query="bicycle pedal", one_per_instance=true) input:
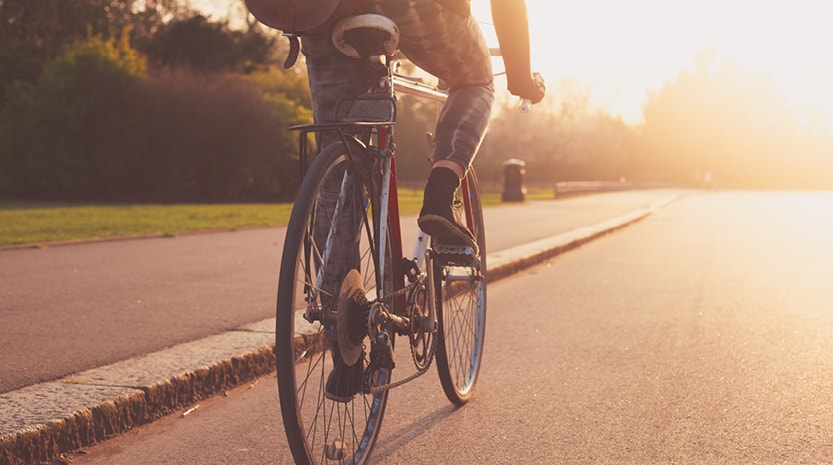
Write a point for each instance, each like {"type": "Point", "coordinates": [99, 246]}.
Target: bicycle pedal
{"type": "Point", "coordinates": [381, 353]}
{"type": "Point", "coordinates": [455, 255]}
{"type": "Point", "coordinates": [443, 249]}
{"type": "Point", "coordinates": [336, 450]}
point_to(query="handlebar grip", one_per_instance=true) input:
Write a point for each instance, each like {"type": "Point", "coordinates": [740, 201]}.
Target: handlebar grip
{"type": "Point", "coordinates": [526, 103]}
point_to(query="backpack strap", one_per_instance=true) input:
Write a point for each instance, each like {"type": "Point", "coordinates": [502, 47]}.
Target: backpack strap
{"type": "Point", "coordinates": [294, 49]}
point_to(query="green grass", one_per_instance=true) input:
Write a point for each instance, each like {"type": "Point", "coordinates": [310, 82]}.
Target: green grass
{"type": "Point", "coordinates": [38, 223]}
{"type": "Point", "coordinates": [29, 223]}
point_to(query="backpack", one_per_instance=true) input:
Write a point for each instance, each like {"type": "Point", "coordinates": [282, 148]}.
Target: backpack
{"type": "Point", "coordinates": [300, 17]}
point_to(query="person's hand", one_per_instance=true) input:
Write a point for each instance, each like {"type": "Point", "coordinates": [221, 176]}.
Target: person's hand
{"type": "Point", "coordinates": [530, 87]}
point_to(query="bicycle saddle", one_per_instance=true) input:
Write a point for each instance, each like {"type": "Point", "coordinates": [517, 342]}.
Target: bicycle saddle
{"type": "Point", "coordinates": [366, 35]}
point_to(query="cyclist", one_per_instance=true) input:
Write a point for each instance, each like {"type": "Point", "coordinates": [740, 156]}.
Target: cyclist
{"type": "Point", "coordinates": [441, 37]}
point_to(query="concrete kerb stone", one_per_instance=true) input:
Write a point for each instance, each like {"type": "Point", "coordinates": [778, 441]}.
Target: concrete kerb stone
{"type": "Point", "coordinates": [507, 262]}
{"type": "Point", "coordinates": [41, 422]}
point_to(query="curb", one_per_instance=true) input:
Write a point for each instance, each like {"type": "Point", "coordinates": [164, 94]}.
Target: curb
{"type": "Point", "coordinates": [45, 420]}
{"type": "Point", "coordinates": [42, 421]}
{"type": "Point", "coordinates": [507, 262]}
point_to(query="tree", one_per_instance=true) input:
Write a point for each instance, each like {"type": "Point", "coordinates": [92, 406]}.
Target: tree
{"type": "Point", "coordinates": [32, 33]}
{"type": "Point", "coordinates": [733, 124]}
{"type": "Point", "coordinates": [202, 45]}
{"type": "Point", "coordinates": [43, 126]}
{"type": "Point", "coordinates": [562, 140]}
{"type": "Point", "coordinates": [96, 126]}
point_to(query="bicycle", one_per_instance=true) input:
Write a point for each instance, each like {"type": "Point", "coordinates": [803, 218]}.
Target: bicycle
{"type": "Point", "coordinates": [346, 290]}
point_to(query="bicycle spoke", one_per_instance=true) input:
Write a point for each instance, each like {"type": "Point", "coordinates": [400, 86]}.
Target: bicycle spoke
{"type": "Point", "coordinates": [332, 233]}
{"type": "Point", "coordinates": [462, 312]}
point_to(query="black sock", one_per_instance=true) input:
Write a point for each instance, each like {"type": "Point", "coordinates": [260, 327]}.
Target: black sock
{"type": "Point", "coordinates": [439, 192]}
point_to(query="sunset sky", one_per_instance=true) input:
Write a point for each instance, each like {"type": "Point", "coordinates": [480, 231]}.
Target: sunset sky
{"type": "Point", "coordinates": [621, 49]}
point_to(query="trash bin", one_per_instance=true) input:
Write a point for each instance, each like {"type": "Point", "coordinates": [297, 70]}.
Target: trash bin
{"type": "Point", "coordinates": [513, 180]}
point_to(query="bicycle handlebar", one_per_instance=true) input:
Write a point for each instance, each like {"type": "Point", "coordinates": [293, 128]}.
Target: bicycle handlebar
{"type": "Point", "coordinates": [413, 85]}
{"type": "Point", "coordinates": [408, 87]}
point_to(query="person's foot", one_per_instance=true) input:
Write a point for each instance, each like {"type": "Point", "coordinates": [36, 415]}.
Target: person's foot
{"type": "Point", "coordinates": [447, 231]}
{"type": "Point", "coordinates": [437, 216]}
{"type": "Point", "coordinates": [344, 382]}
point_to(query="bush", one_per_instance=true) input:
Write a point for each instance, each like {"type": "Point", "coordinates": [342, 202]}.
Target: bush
{"type": "Point", "coordinates": [43, 124]}
{"type": "Point", "coordinates": [97, 126]}
{"type": "Point", "coordinates": [219, 139]}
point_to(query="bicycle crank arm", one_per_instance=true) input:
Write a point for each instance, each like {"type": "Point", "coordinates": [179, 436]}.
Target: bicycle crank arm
{"type": "Point", "coordinates": [379, 315]}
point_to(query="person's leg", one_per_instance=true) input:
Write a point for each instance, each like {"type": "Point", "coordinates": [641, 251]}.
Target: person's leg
{"type": "Point", "coordinates": [445, 40]}
{"type": "Point", "coordinates": [333, 76]}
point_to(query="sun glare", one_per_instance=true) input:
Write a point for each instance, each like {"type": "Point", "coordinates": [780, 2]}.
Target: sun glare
{"type": "Point", "coordinates": [623, 49]}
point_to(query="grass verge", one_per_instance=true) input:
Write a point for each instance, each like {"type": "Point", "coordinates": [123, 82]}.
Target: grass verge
{"type": "Point", "coordinates": [24, 223]}
{"type": "Point", "coordinates": [40, 223]}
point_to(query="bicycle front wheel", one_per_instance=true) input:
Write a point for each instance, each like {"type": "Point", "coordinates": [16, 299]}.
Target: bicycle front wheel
{"type": "Point", "coordinates": [461, 306]}
{"type": "Point", "coordinates": [327, 416]}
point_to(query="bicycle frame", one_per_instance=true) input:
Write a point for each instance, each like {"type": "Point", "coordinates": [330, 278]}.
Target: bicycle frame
{"type": "Point", "coordinates": [382, 132]}
{"type": "Point", "coordinates": [360, 296]}
{"type": "Point", "coordinates": [410, 86]}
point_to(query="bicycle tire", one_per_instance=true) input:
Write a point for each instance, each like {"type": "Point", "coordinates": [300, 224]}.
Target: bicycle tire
{"type": "Point", "coordinates": [461, 310]}
{"type": "Point", "coordinates": [321, 430]}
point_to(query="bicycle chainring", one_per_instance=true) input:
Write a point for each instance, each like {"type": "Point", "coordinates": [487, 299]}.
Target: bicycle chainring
{"type": "Point", "coordinates": [422, 333]}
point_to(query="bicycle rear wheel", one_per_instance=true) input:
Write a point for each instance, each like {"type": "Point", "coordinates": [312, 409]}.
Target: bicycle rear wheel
{"type": "Point", "coordinates": [461, 307]}
{"type": "Point", "coordinates": [332, 230]}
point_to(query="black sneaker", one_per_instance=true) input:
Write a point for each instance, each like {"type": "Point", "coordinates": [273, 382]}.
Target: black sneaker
{"type": "Point", "coordinates": [447, 231]}
{"type": "Point", "coordinates": [344, 382]}
{"type": "Point", "coordinates": [437, 215]}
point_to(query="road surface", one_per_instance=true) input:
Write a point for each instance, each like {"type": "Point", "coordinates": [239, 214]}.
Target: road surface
{"type": "Point", "coordinates": [71, 308]}
{"type": "Point", "coordinates": [700, 335]}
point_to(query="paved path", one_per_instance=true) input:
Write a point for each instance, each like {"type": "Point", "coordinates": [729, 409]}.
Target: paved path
{"type": "Point", "coordinates": [73, 308]}
{"type": "Point", "coordinates": [699, 336]}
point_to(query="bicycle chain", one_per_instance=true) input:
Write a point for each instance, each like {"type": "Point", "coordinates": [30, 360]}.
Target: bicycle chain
{"type": "Point", "coordinates": [388, 298]}
{"type": "Point", "coordinates": [389, 386]}
{"type": "Point", "coordinates": [420, 372]}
